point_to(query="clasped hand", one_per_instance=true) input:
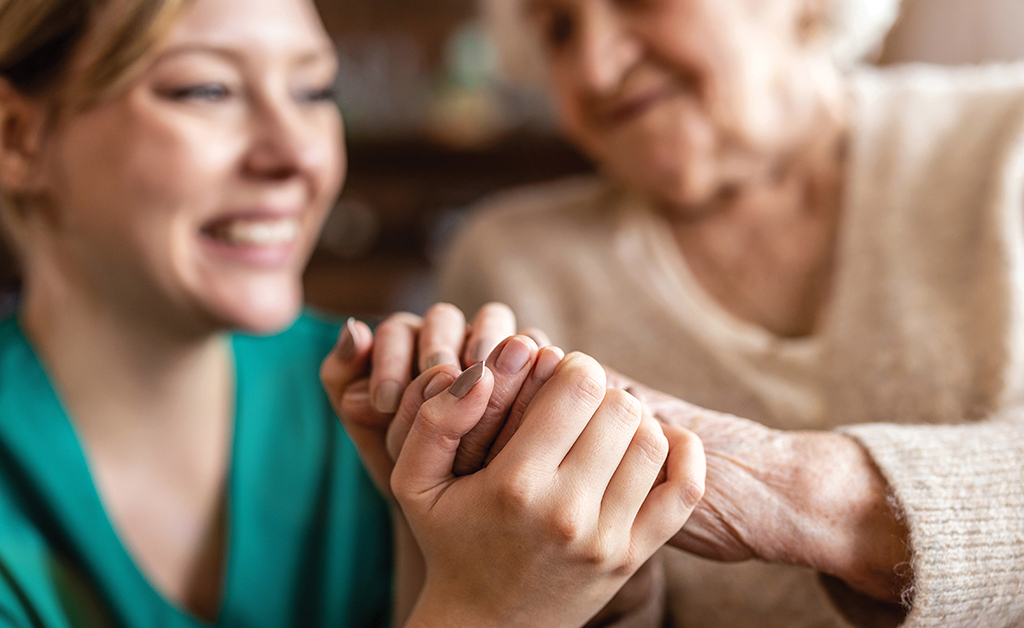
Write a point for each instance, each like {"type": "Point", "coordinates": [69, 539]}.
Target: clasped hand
{"type": "Point", "coordinates": [532, 490]}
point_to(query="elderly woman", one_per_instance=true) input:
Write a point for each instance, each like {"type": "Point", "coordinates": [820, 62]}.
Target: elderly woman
{"type": "Point", "coordinates": [167, 454]}
{"type": "Point", "coordinates": [832, 260]}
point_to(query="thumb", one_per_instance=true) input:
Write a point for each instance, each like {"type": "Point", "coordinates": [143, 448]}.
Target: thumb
{"type": "Point", "coordinates": [424, 466]}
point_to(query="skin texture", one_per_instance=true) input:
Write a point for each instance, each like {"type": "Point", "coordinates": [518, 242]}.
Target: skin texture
{"type": "Point", "coordinates": [799, 498]}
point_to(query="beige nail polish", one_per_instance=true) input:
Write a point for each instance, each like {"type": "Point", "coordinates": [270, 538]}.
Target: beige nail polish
{"type": "Point", "coordinates": [469, 378]}
{"type": "Point", "coordinates": [387, 398]}
{"type": "Point", "coordinates": [437, 385]}
{"type": "Point", "coordinates": [347, 341]}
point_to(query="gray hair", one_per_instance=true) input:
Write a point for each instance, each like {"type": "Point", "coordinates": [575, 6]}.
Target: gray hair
{"type": "Point", "coordinates": [857, 31]}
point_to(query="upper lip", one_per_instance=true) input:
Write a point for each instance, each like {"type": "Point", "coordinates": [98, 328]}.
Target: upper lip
{"type": "Point", "coordinates": [256, 212]}
{"type": "Point", "coordinates": [622, 109]}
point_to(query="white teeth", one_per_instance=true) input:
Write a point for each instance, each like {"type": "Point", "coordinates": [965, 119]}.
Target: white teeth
{"type": "Point", "coordinates": [261, 232]}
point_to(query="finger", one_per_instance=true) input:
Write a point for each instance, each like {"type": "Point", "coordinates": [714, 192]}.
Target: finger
{"type": "Point", "coordinates": [424, 466]}
{"type": "Point", "coordinates": [602, 447]}
{"type": "Point", "coordinates": [511, 363]}
{"type": "Point", "coordinates": [393, 354]}
{"type": "Point", "coordinates": [670, 504]}
{"type": "Point", "coordinates": [347, 361]}
{"type": "Point", "coordinates": [493, 323]}
{"type": "Point", "coordinates": [543, 368]}
{"type": "Point", "coordinates": [365, 428]}
{"type": "Point", "coordinates": [538, 336]}
{"type": "Point", "coordinates": [635, 476]}
{"type": "Point", "coordinates": [442, 336]}
{"type": "Point", "coordinates": [425, 387]}
{"type": "Point", "coordinates": [558, 415]}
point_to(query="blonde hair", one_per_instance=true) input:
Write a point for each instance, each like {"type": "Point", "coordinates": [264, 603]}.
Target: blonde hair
{"type": "Point", "coordinates": [39, 41]}
{"type": "Point", "coordinates": [857, 29]}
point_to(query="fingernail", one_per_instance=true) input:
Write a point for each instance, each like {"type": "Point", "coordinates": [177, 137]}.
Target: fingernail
{"type": "Point", "coordinates": [358, 397]}
{"type": "Point", "coordinates": [436, 385]}
{"type": "Point", "coordinates": [441, 357]}
{"type": "Point", "coordinates": [513, 357]}
{"type": "Point", "coordinates": [481, 350]}
{"type": "Point", "coordinates": [387, 397]}
{"type": "Point", "coordinates": [347, 341]}
{"type": "Point", "coordinates": [547, 361]}
{"type": "Point", "coordinates": [469, 378]}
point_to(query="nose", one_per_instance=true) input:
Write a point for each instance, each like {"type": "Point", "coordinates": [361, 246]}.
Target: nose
{"type": "Point", "coordinates": [283, 144]}
{"type": "Point", "coordinates": [606, 48]}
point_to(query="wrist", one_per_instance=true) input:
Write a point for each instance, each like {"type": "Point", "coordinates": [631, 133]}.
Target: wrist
{"type": "Point", "coordinates": [438, 609]}
{"type": "Point", "coordinates": [853, 529]}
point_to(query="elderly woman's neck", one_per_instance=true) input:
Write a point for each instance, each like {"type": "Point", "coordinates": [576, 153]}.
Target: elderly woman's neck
{"type": "Point", "coordinates": [766, 250]}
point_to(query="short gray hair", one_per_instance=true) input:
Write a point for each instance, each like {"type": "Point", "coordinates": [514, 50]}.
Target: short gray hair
{"type": "Point", "coordinates": [858, 29]}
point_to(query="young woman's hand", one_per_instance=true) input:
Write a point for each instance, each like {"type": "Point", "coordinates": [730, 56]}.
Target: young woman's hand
{"type": "Point", "coordinates": [560, 518]}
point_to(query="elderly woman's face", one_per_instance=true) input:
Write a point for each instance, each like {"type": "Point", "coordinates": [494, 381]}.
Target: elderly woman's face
{"type": "Point", "coordinates": [198, 193]}
{"type": "Point", "coordinates": [683, 98]}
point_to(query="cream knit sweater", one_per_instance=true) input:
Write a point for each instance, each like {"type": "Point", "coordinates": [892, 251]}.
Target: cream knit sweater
{"type": "Point", "coordinates": [921, 357]}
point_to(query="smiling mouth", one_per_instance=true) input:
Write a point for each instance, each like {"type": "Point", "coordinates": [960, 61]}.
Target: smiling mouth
{"type": "Point", "coordinates": [623, 110]}
{"type": "Point", "coordinates": [255, 232]}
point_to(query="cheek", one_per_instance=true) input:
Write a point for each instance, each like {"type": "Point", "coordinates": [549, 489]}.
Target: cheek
{"type": "Point", "coordinates": [137, 170]}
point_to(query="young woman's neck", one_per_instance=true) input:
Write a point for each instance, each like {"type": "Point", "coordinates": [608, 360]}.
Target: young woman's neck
{"type": "Point", "coordinates": [115, 367]}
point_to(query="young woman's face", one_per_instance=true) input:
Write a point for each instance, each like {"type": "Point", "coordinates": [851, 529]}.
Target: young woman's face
{"type": "Point", "coordinates": [196, 195]}
{"type": "Point", "coordinates": [683, 98]}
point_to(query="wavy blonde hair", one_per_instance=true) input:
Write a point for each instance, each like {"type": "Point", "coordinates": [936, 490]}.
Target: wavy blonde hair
{"type": "Point", "coordinates": [856, 30]}
{"type": "Point", "coordinates": [40, 41]}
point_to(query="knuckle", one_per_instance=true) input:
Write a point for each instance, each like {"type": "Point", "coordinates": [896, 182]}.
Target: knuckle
{"type": "Point", "coordinates": [650, 440]}
{"type": "Point", "coordinates": [516, 492]}
{"type": "Point", "coordinates": [435, 425]}
{"type": "Point", "coordinates": [624, 405]}
{"type": "Point", "coordinates": [691, 491]}
{"type": "Point", "coordinates": [587, 375]}
{"type": "Point", "coordinates": [568, 526]}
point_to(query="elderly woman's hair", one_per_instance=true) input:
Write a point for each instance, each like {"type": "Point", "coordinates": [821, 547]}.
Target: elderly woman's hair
{"type": "Point", "coordinates": [856, 29]}
{"type": "Point", "coordinates": [39, 40]}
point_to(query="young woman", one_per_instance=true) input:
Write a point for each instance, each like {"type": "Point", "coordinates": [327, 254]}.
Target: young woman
{"type": "Point", "coordinates": [167, 457]}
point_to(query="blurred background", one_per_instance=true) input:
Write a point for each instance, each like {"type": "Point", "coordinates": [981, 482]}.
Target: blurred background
{"type": "Point", "coordinates": [432, 127]}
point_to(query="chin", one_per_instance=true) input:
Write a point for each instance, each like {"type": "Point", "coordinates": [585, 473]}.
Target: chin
{"type": "Point", "coordinates": [262, 310]}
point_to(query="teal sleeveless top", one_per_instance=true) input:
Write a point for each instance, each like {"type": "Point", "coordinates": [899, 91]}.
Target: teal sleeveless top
{"type": "Point", "coordinates": [309, 539]}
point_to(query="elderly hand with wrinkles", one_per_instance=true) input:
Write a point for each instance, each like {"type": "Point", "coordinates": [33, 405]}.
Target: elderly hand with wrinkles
{"type": "Point", "coordinates": [528, 383]}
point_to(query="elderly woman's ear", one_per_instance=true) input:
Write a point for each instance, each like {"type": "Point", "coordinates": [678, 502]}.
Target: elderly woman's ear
{"type": "Point", "coordinates": [22, 123]}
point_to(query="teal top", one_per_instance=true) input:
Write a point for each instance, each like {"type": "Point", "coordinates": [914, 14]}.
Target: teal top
{"type": "Point", "coordinates": [309, 541]}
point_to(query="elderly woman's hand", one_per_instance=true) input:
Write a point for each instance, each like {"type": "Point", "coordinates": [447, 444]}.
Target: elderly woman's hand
{"type": "Point", "coordinates": [806, 498]}
{"type": "Point", "coordinates": [366, 375]}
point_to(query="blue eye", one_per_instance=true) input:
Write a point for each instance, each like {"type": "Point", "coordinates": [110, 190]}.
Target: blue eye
{"type": "Point", "coordinates": [324, 94]}
{"type": "Point", "coordinates": [212, 92]}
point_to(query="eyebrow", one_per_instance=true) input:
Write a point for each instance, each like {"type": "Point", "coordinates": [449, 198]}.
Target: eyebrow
{"type": "Point", "coordinates": [306, 58]}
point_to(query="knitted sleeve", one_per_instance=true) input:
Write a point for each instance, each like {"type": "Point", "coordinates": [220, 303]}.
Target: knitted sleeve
{"type": "Point", "coordinates": [962, 491]}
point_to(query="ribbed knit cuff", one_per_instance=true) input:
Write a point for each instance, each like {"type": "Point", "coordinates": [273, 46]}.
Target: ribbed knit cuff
{"type": "Point", "coordinates": [962, 491]}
